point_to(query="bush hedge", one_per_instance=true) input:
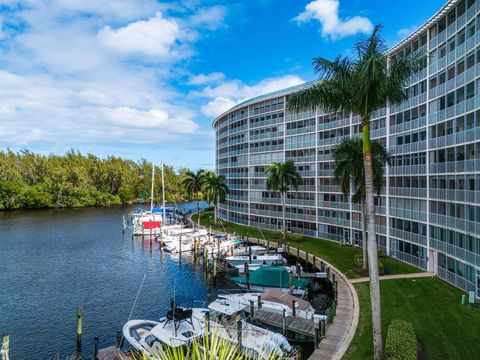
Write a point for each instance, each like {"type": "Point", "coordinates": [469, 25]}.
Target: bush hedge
{"type": "Point", "coordinates": [358, 261]}
{"type": "Point", "coordinates": [401, 341]}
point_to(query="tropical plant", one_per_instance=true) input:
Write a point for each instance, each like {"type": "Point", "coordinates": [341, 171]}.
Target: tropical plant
{"type": "Point", "coordinates": [359, 86]}
{"type": "Point", "coordinates": [281, 177]}
{"type": "Point", "coordinates": [214, 190]}
{"type": "Point", "coordinates": [30, 180]}
{"type": "Point", "coordinates": [349, 173]}
{"type": "Point", "coordinates": [212, 347]}
{"type": "Point", "coordinates": [193, 182]}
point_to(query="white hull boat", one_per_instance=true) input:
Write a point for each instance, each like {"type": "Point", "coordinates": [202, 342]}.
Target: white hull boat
{"type": "Point", "coordinates": [256, 260]}
{"type": "Point", "coordinates": [257, 342]}
{"type": "Point", "coordinates": [178, 328]}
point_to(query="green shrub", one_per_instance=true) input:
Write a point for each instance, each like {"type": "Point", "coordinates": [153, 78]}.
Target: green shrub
{"type": "Point", "coordinates": [401, 341]}
{"type": "Point", "coordinates": [358, 260]}
{"type": "Point", "coordinates": [381, 268]}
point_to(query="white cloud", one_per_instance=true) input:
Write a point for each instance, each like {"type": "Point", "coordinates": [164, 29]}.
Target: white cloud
{"type": "Point", "coordinates": [231, 92]}
{"type": "Point", "coordinates": [202, 79]}
{"type": "Point", "coordinates": [218, 106]}
{"type": "Point", "coordinates": [403, 33]}
{"type": "Point", "coordinates": [326, 12]}
{"type": "Point", "coordinates": [212, 18]}
{"type": "Point", "coordinates": [156, 36]}
{"type": "Point", "coordinates": [155, 119]}
{"type": "Point", "coordinates": [64, 81]}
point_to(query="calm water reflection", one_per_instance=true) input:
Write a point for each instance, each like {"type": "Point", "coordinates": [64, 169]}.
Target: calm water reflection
{"type": "Point", "coordinates": [55, 260]}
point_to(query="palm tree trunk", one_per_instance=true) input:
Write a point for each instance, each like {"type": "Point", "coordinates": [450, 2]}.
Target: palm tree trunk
{"type": "Point", "coordinates": [215, 209]}
{"type": "Point", "coordinates": [372, 243]}
{"type": "Point", "coordinates": [283, 195]}
{"type": "Point", "coordinates": [364, 237]}
{"type": "Point", "coordinates": [198, 211]}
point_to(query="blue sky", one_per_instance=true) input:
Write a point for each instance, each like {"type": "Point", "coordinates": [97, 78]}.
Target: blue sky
{"type": "Point", "coordinates": [144, 79]}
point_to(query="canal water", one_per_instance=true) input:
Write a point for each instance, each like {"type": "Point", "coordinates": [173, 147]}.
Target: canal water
{"type": "Point", "coordinates": [52, 261]}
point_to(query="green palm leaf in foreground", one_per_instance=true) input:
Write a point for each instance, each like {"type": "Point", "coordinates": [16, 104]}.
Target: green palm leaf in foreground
{"type": "Point", "coordinates": [213, 347]}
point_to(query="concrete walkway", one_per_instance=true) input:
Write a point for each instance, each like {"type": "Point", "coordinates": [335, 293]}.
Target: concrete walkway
{"type": "Point", "coordinates": [339, 334]}
{"type": "Point", "coordinates": [394, 277]}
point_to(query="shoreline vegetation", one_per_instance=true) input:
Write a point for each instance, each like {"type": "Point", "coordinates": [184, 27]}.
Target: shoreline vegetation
{"type": "Point", "coordinates": [73, 180]}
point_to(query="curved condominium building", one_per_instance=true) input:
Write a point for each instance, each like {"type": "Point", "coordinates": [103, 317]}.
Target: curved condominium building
{"type": "Point", "coordinates": [429, 212]}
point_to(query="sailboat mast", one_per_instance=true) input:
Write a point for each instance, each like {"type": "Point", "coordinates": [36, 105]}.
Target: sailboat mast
{"type": "Point", "coordinates": [163, 195]}
{"type": "Point", "coordinates": [153, 181]}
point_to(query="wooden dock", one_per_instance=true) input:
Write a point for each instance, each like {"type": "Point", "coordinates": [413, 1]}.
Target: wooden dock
{"type": "Point", "coordinates": [295, 324]}
{"type": "Point", "coordinates": [111, 353]}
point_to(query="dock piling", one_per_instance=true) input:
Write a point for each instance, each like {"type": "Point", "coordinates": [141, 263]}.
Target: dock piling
{"type": "Point", "coordinates": [95, 348]}
{"type": "Point", "coordinates": [5, 346]}
{"type": "Point", "coordinates": [247, 276]}
{"type": "Point", "coordinates": [249, 254]}
{"type": "Point", "coordinates": [239, 334]}
{"type": "Point", "coordinates": [259, 301]}
{"type": "Point", "coordinates": [79, 331]}
{"type": "Point", "coordinates": [291, 279]}
{"type": "Point", "coordinates": [294, 308]}
{"type": "Point", "coordinates": [322, 328]}
{"type": "Point", "coordinates": [207, 322]}
{"type": "Point", "coordinates": [119, 340]}
{"type": "Point", "coordinates": [252, 309]}
{"type": "Point", "coordinates": [284, 322]}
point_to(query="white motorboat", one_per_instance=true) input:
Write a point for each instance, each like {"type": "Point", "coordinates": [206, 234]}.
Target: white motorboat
{"type": "Point", "coordinates": [179, 328]}
{"type": "Point", "coordinates": [257, 342]}
{"type": "Point", "coordinates": [267, 259]}
{"type": "Point", "coordinates": [222, 247]}
{"type": "Point", "coordinates": [273, 300]}
{"type": "Point", "coordinates": [253, 267]}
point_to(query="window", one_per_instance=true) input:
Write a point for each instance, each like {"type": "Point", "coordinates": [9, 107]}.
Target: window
{"type": "Point", "coordinates": [461, 37]}
{"type": "Point", "coordinates": [471, 29]}
{"type": "Point", "coordinates": [470, 60]}
{"type": "Point", "coordinates": [451, 45]}
{"type": "Point", "coordinates": [451, 73]}
{"type": "Point", "coordinates": [470, 90]}
{"type": "Point", "coordinates": [460, 67]}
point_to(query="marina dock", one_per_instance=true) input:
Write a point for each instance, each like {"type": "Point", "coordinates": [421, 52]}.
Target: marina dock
{"type": "Point", "coordinates": [292, 323]}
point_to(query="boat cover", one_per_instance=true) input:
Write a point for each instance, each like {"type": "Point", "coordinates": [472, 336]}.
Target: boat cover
{"type": "Point", "coordinates": [272, 276]}
{"type": "Point", "coordinates": [280, 297]}
{"type": "Point", "coordinates": [151, 225]}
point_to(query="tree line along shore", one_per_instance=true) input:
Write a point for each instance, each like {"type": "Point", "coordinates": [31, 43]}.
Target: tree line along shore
{"type": "Point", "coordinates": [33, 181]}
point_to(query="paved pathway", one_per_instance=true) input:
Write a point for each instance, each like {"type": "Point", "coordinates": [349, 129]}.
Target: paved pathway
{"type": "Point", "coordinates": [340, 333]}
{"type": "Point", "coordinates": [393, 277]}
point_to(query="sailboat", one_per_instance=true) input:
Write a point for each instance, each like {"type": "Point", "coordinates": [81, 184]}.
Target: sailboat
{"type": "Point", "coordinates": [150, 222]}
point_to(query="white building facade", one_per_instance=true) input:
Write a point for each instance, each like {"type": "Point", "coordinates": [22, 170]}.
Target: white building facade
{"type": "Point", "coordinates": [429, 211]}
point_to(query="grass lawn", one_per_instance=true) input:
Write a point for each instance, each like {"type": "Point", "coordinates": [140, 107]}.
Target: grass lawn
{"type": "Point", "coordinates": [445, 328]}
{"type": "Point", "coordinates": [330, 251]}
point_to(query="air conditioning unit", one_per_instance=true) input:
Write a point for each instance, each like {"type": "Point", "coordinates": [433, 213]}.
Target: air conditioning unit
{"type": "Point", "coordinates": [471, 297]}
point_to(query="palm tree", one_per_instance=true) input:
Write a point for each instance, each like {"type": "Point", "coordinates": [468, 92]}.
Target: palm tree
{"type": "Point", "coordinates": [350, 171]}
{"type": "Point", "coordinates": [359, 86]}
{"type": "Point", "coordinates": [193, 184]}
{"type": "Point", "coordinates": [281, 176]}
{"type": "Point", "coordinates": [214, 189]}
